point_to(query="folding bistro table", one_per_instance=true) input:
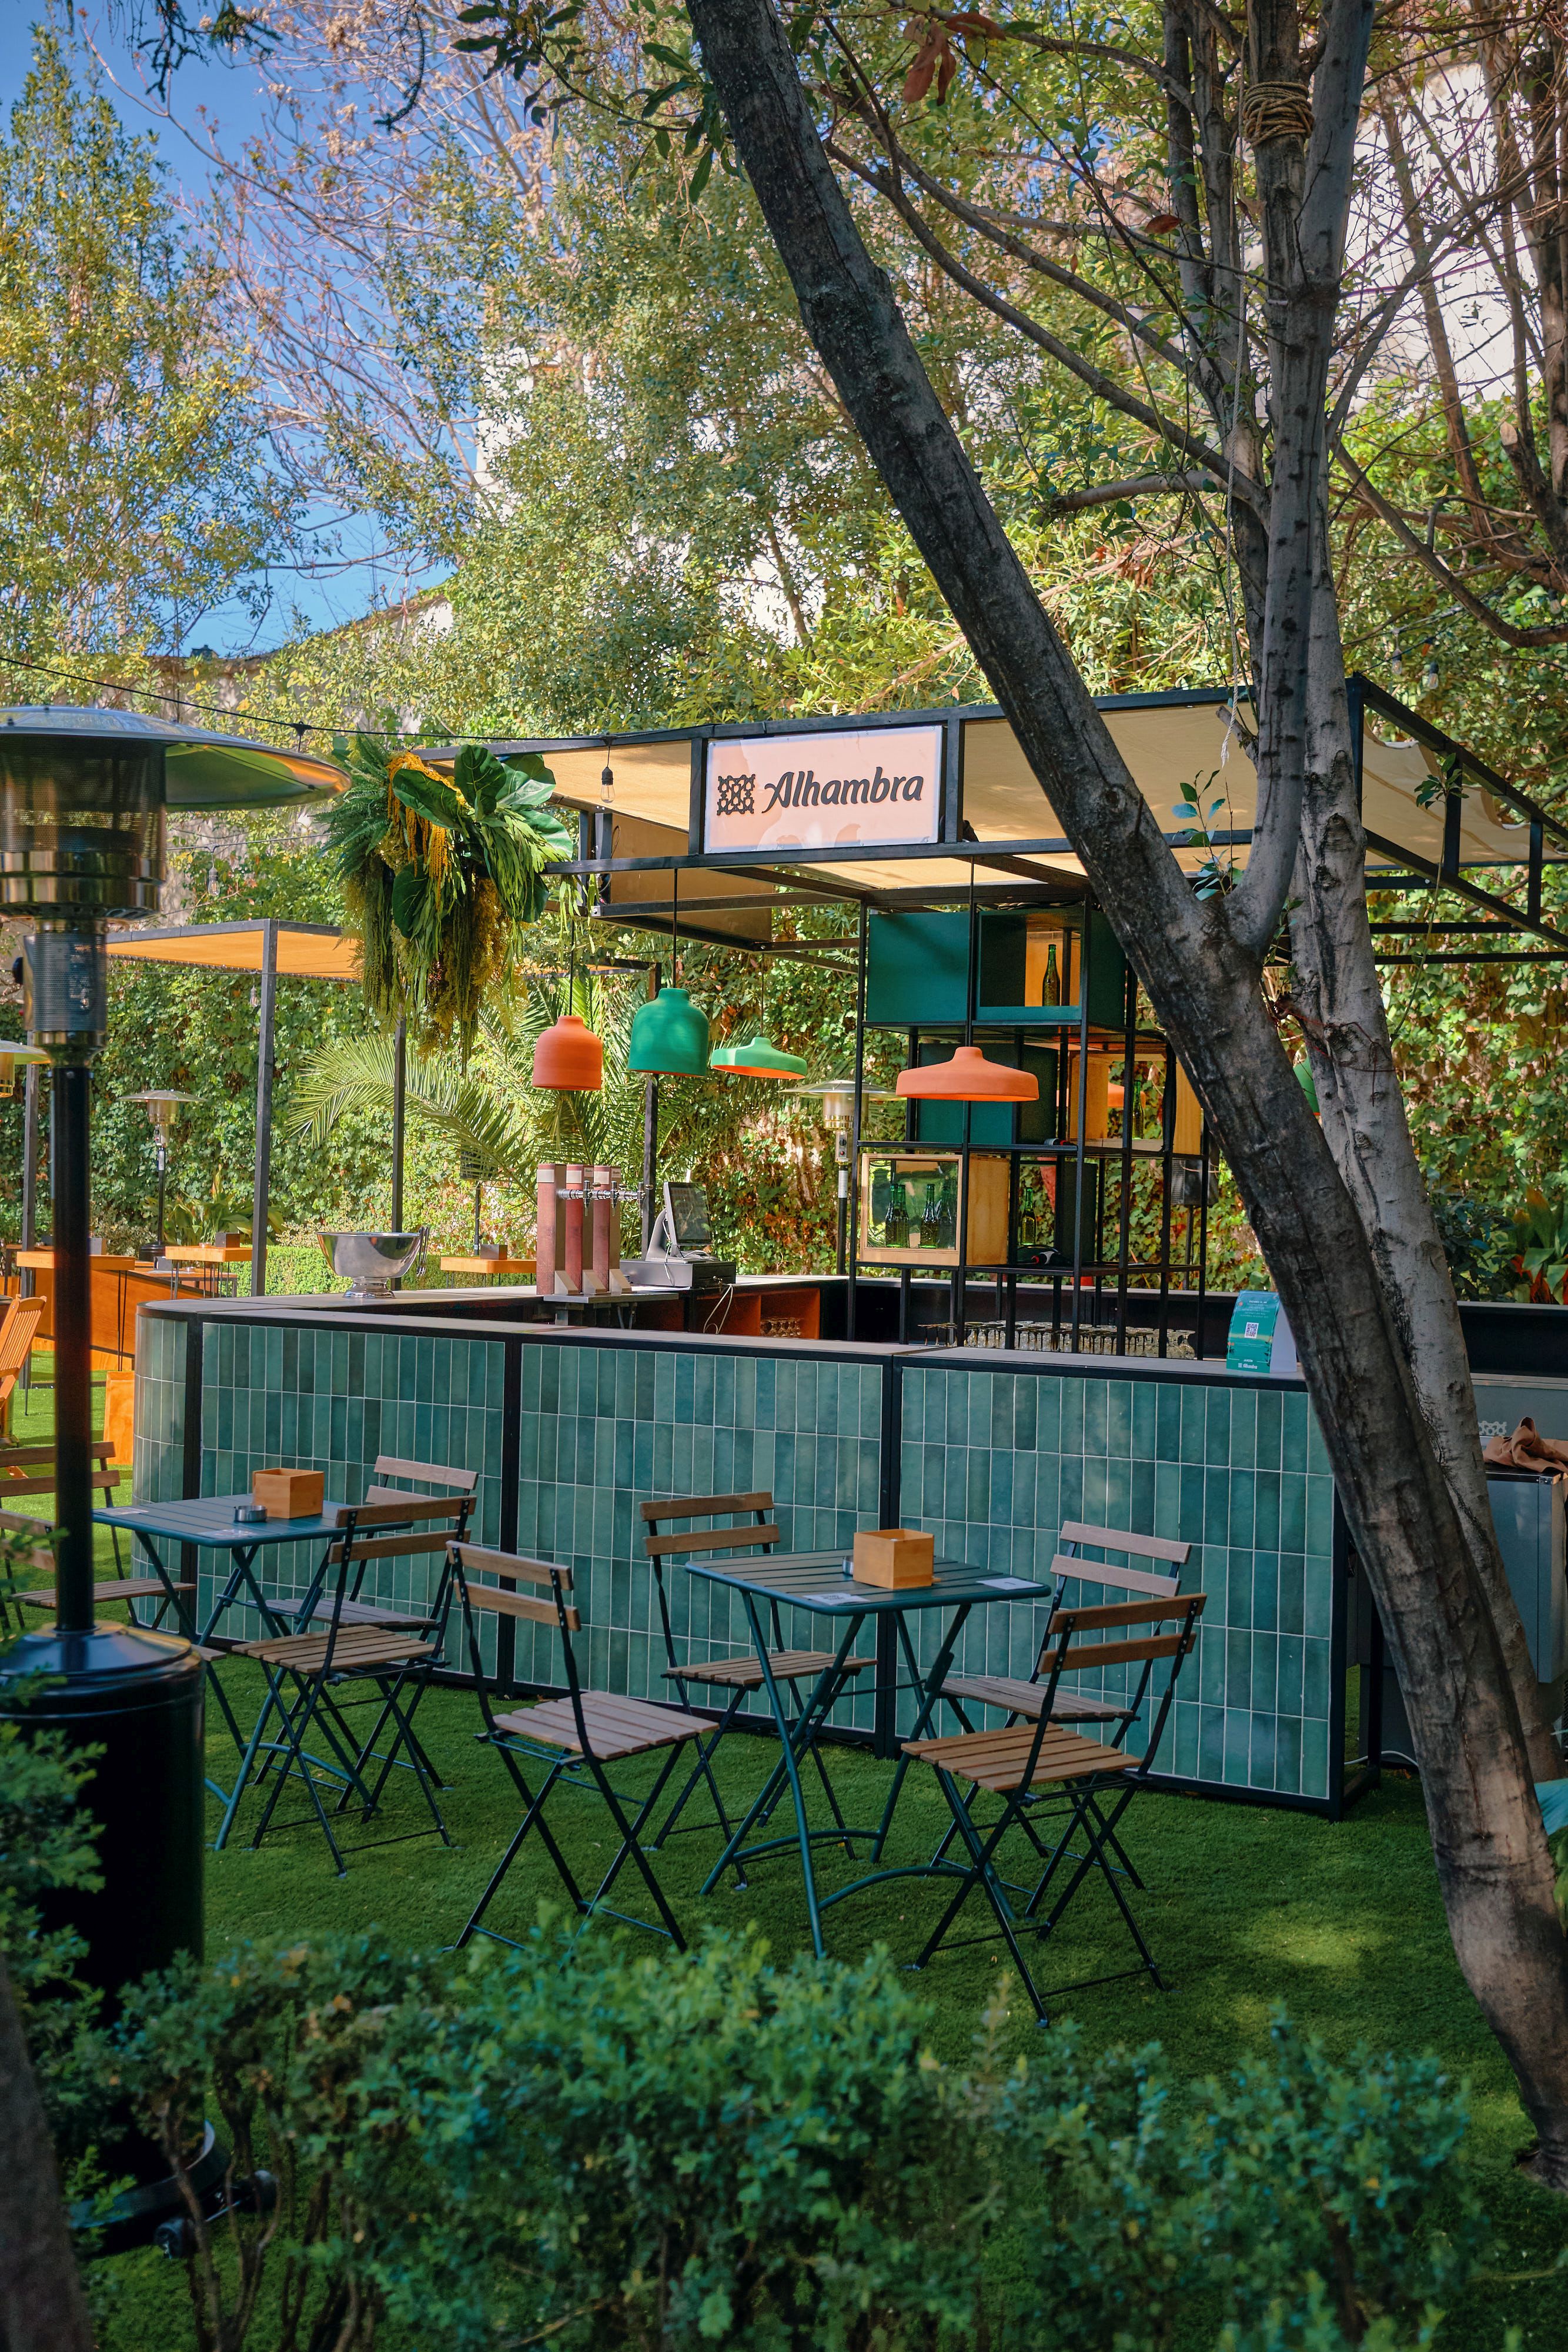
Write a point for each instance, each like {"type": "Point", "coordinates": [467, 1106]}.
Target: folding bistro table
{"type": "Point", "coordinates": [821, 1583]}
{"type": "Point", "coordinates": [208, 1522]}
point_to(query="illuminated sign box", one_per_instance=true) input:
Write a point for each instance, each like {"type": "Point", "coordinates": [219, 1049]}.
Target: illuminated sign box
{"type": "Point", "coordinates": [774, 792]}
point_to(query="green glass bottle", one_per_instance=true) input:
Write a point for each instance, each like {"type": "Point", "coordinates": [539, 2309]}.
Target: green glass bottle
{"type": "Point", "coordinates": [1051, 993]}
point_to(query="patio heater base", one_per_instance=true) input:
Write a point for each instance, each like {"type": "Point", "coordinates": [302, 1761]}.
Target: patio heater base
{"type": "Point", "coordinates": [136, 1696]}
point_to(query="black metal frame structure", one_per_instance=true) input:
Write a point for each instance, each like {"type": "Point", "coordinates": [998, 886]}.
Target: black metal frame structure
{"type": "Point", "coordinates": [1004, 873]}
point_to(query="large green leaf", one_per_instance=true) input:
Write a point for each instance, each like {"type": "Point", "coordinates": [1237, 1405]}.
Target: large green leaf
{"type": "Point", "coordinates": [410, 900]}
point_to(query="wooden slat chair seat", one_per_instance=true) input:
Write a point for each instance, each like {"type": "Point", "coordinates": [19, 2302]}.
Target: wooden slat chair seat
{"type": "Point", "coordinates": [669, 1539]}
{"type": "Point", "coordinates": [309, 1671]}
{"type": "Point", "coordinates": [115, 1588]}
{"type": "Point", "coordinates": [580, 1733]}
{"type": "Point", "coordinates": [1020, 1761]}
{"type": "Point", "coordinates": [615, 1727]}
{"type": "Point", "coordinates": [745, 1673]}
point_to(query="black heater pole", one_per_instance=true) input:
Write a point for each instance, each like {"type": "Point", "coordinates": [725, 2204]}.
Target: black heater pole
{"type": "Point", "coordinates": [69, 1176]}
{"type": "Point", "coordinates": [83, 799]}
{"type": "Point", "coordinates": [261, 1197]}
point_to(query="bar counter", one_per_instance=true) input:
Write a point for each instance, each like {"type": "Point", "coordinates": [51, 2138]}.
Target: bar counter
{"type": "Point", "coordinates": [571, 1425]}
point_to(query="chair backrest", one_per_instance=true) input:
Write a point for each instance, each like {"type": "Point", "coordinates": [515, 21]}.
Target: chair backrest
{"type": "Point", "coordinates": [670, 1512]}
{"type": "Point", "coordinates": [401, 1529]}
{"type": "Point", "coordinates": [1136, 1546]}
{"type": "Point", "coordinates": [468, 1562]}
{"type": "Point", "coordinates": [381, 1530]}
{"type": "Point", "coordinates": [18, 1330]}
{"type": "Point", "coordinates": [40, 1560]}
{"type": "Point", "coordinates": [1122, 1643]}
{"type": "Point", "coordinates": [421, 1474]}
{"type": "Point", "coordinates": [30, 1469]}
{"type": "Point", "coordinates": [1067, 1567]}
{"type": "Point", "coordinates": [667, 1516]}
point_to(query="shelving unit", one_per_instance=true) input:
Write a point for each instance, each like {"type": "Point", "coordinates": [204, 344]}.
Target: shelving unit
{"type": "Point", "coordinates": [1046, 989]}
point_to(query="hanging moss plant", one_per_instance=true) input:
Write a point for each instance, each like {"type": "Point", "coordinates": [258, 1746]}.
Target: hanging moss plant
{"type": "Point", "coordinates": [440, 873]}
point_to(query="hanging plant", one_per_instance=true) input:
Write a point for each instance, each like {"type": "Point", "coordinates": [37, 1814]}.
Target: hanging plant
{"type": "Point", "coordinates": [440, 872]}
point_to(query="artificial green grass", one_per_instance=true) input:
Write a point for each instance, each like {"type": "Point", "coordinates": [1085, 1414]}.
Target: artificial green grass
{"type": "Point", "coordinates": [1246, 1906]}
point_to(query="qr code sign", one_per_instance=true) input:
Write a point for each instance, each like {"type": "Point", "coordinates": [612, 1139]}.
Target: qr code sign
{"type": "Point", "coordinates": [737, 796]}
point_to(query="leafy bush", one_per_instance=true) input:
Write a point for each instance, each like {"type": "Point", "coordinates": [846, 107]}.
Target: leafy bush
{"type": "Point", "coordinates": [597, 2149]}
{"type": "Point", "coordinates": [1477, 1242]}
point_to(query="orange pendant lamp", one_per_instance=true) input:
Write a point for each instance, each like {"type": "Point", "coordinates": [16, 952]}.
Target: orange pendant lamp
{"type": "Point", "coordinates": [569, 1058]}
{"type": "Point", "coordinates": [969, 1078]}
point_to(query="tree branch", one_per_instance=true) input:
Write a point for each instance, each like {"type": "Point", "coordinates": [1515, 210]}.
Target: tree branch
{"type": "Point", "coordinates": [1105, 388]}
{"type": "Point", "coordinates": [1553, 634]}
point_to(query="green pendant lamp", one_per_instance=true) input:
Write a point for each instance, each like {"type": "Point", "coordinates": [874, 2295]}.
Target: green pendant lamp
{"type": "Point", "coordinates": [759, 1058]}
{"type": "Point", "coordinates": [669, 1034]}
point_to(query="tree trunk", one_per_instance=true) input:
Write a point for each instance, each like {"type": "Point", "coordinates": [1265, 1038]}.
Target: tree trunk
{"type": "Point", "coordinates": [41, 2304]}
{"type": "Point", "coordinates": [1490, 1847]}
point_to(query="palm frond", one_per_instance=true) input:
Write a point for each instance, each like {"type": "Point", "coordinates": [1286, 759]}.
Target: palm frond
{"type": "Point", "coordinates": [362, 1077]}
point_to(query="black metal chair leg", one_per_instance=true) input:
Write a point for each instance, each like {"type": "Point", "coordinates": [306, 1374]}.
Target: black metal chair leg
{"type": "Point", "coordinates": [632, 1847]}
{"type": "Point", "coordinates": [532, 1819]}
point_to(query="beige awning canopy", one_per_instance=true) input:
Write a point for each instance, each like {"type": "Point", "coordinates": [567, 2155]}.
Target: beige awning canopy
{"type": "Point", "coordinates": [304, 950]}
{"type": "Point", "coordinates": [1177, 746]}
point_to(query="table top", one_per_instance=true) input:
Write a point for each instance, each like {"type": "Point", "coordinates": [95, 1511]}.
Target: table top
{"type": "Point", "coordinates": [816, 1580]}
{"type": "Point", "coordinates": [208, 1253]}
{"type": "Point", "coordinates": [42, 1261]}
{"type": "Point", "coordinates": [471, 1264]}
{"type": "Point", "coordinates": [210, 1519]}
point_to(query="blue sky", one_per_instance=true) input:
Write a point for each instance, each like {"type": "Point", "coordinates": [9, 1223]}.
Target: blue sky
{"type": "Point", "coordinates": [227, 93]}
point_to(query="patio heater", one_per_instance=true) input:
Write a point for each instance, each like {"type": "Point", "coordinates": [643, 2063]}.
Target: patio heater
{"type": "Point", "coordinates": [837, 1098]}
{"type": "Point", "coordinates": [83, 799]}
{"type": "Point", "coordinates": [162, 1103]}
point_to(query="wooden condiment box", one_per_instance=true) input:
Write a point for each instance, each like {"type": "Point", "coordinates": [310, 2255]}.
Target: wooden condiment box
{"type": "Point", "coordinates": [894, 1556]}
{"type": "Point", "coordinates": [290, 1493]}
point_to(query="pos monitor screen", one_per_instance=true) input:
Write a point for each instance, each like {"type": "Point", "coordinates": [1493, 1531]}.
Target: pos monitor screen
{"type": "Point", "coordinates": [686, 1207]}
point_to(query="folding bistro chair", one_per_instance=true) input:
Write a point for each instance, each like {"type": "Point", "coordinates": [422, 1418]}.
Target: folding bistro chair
{"type": "Point", "coordinates": [18, 1330]}
{"type": "Point", "coordinates": [742, 1673]}
{"type": "Point", "coordinates": [1019, 1696]}
{"type": "Point", "coordinates": [355, 1609]}
{"type": "Point", "coordinates": [30, 1470]}
{"type": "Point", "coordinates": [456, 1484]}
{"type": "Point", "coordinates": [572, 1738]}
{"type": "Point", "coordinates": [1021, 1699]}
{"type": "Point", "coordinates": [1020, 1762]}
{"type": "Point", "coordinates": [34, 1552]}
{"type": "Point", "coordinates": [308, 1672]}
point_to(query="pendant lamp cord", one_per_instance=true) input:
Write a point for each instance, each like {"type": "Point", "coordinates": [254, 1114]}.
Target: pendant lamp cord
{"type": "Point", "coordinates": [969, 990]}
{"type": "Point", "coordinates": [675, 927]}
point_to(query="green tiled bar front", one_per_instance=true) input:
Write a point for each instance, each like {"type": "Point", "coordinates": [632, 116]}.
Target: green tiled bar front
{"type": "Point", "coordinates": [994, 1462]}
{"type": "Point", "coordinates": [603, 1429]}
{"type": "Point", "coordinates": [992, 1455]}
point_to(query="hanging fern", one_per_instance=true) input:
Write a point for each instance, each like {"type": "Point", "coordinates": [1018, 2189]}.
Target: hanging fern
{"type": "Point", "coordinates": [440, 873]}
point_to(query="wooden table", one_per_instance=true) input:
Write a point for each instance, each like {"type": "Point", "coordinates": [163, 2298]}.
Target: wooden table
{"type": "Point", "coordinates": [517, 1269]}
{"type": "Point", "coordinates": [817, 1583]}
{"type": "Point", "coordinates": [118, 1286]}
{"type": "Point", "coordinates": [208, 1258]}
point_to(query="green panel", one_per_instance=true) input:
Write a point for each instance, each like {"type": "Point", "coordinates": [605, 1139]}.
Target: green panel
{"type": "Point", "coordinates": [1003, 959]}
{"type": "Point", "coordinates": [918, 972]}
{"type": "Point", "coordinates": [993, 1461]}
{"type": "Point", "coordinates": [917, 969]}
{"type": "Point", "coordinates": [1107, 974]}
